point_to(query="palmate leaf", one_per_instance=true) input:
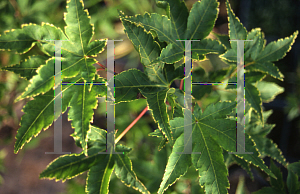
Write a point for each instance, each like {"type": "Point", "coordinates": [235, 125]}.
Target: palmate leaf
{"type": "Point", "coordinates": [213, 173]}
{"type": "Point", "coordinates": [76, 48]}
{"type": "Point", "coordinates": [226, 137]}
{"type": "Point", "coordinates": [76, 66]}
{"type": "Point", "coordinates": [100, 167]}
{"type": "Point", "coordinates": [210, 163]}
{"type": "Point", "coordinates": [211, 131]}
{"type": "Point", "coordinates": [37, 118]}
{"type": "Point", "coordinates": [258, 57]}
{"type": "Point", "coordinates": [39, 114]}
{"type": "Point", "coordinates": [181, 26]}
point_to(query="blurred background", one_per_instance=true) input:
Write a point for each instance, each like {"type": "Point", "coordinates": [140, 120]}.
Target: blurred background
{"type": "Point", "coordinates": [19, 172]}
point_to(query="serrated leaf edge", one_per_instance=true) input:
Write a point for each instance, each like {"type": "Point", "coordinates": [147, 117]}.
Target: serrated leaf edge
{"type": "Point", "coordinates": [63, 180]}
{"type": "Point", "coordinates": [172, 140]}
{"type": "Point", "coordinates": [22, 61]}
{"type": "Point", "coordinates": [16, 151]}
{"type": "Point", "coordinates": [133, 173]}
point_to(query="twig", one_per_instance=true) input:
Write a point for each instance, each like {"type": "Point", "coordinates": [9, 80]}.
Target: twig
{"type": "Point", "coordinates": [181, 84]}
{"type": "Point", "coordinates": [101, 65]}
{"type": "Point", "coordinates": [131, 125]}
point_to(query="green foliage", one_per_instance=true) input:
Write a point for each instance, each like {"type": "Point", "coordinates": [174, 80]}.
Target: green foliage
{"type": "Point", "coordinates": [292, 184]}
{"type": "Point", "coordinates": [258, 57]}
{"type": "Point", "coordinates": [154, 37]}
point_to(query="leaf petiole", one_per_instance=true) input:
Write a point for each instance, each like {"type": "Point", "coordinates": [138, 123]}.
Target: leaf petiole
{"type": "Point", "coordinates": [131, 125]}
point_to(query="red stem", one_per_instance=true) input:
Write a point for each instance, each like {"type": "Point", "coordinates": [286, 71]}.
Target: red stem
{"type": "Point", "coordinates": [181, 84]}
{"type": "Point", "coordinates": [131, 125]}
{"type": "Point", "coordinates": [101, 65]}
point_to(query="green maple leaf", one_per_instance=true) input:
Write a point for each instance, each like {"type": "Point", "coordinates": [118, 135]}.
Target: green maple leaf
{"type": "Point", "coordinates": [211, 132]}
{"type": "Point", "coordinates": [257, 54]}
{"type": "Point", "coordinates": [257, 57]}
{"type": "Point", "coordinates": [154, 83]}
{"type": "Point", "coordinates": [148, 50]}
{"type": "Point", "coordinates": [179, 24]}
{"type": "Point", "coordinates": [38, 115]}
{"type": "Point", "coordinates": [77, 66]}
{"type": "Point", "coordinates": [99, 166]}
{"type": "Point", "coordinates": [258, 132]}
